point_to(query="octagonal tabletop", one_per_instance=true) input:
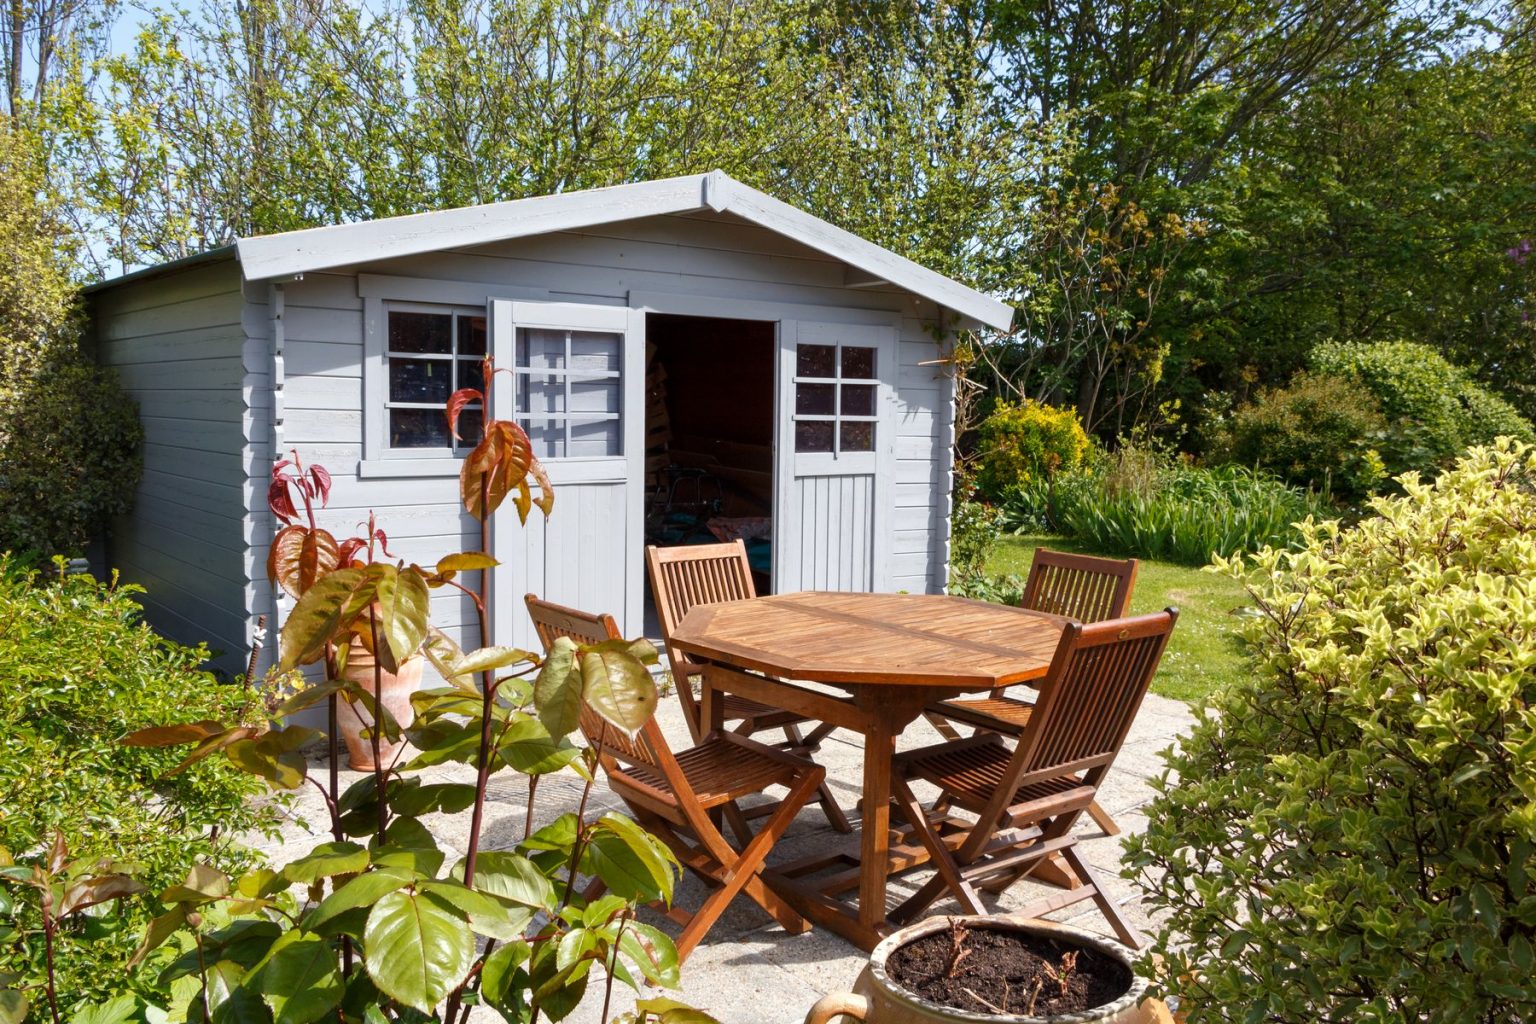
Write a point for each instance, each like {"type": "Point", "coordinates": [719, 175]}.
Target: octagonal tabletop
{"type": "Point", "coordinates": [916, 639]}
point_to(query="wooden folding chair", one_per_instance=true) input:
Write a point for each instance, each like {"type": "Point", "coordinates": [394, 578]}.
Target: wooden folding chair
{"type": "Point", "coordinates": [1080, 587]}
{"type": "Point", "coordinates": [1026, 799]}
{"type": "Point", "coordinates": [673, 795]}
{"type": "Point", "coordinates": [695, 574]}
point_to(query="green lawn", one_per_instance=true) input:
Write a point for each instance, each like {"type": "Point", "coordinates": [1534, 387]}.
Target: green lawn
{"type": "Point", "coordinates": [1204, 651]}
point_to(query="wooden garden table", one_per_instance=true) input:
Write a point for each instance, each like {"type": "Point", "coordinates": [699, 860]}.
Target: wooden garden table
{"type": "Point", "coordinates": [894, 654]}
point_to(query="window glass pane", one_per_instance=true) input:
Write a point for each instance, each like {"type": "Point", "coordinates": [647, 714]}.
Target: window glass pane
{"type": "Point", "coordinates": [591, 350]}
{"type": "Point", "coordinates": [540, 393]}
{"type": "Point", "coordinates": [541, 349]}
{"type": "Point", "coordinates": [420, 332]}
{"type": "Point", "coordinates": [857, 437]}
{"type": "Point", "coordinates": [815, 361]}
{"type": "Point", "coordinates": [471, 427]}
{"type": "Point", "coordinates": [419, 380]}
{"type": "Point", "coordinates": [547, 437]}
{"type": "Point", "coordinates": [470, 375]}
{"type": "Point", "coordinates": [594, 439]}
{"type": "Point", "coordinates": [814, 399]}
{"type": "Point", "coordinates": [858, 362]}
{"type": "Point", "coordinates": [471, 335]}
{"type": "Point", "coordinates": [418, 428]}
{"type": "Point", "coordinates": [858, 400]}
{"type": "Point", "coordinates": [594, 396]}
{"type": "Point", "coordinates": [813, 436]}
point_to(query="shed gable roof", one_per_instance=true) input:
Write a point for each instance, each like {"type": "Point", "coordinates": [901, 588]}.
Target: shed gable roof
{"type": "Point", "coordinates": [296, 252]}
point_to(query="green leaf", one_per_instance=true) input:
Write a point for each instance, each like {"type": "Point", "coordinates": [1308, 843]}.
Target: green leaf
{"type": "Point", "coordinates": [363, 891]}
{"type": "Point", "coordinates": [275, 756]}
{"type": "Point", "coordinates": [332, 603]}
{"type": "Point", "coordinates": [628, 860]}
{"type": "Point", "coordinates": [403, 602]}
{"type": "Point", "coordinates": [528, 747]}
{"type": "Point", "coordinates": [229, 999]}
{"type": "Point", "coordinates": [557, 691]}
{"type": "Point", "coordinates": [489, 658]}
{"type": "Point", "coordinates": [416, 950]}
{"type": "Point", "coordinates": [326, 860]}
{"type": "Point", "coordinates": [203, 884]}
{"type": "Point", "coordinates": [157, 931]}
{"type": "Point", "coordinates": [299, 979]}
{"type": "Point", "coordinates": [443, 797]}
{"type": "Point", "coordinates": [466, 561]}
{"type": "Point", "coordinates": [174, 735]}
{"type": "Point", "coordinates": [501, 982]}
{"type": "Point", "coordinates": [486, 914]}
{"type": "Point", "coordinates": [308, 697]}
{"type": "Point", "coordinates": [651, 950]}
{"type": "Point", "coordinates": [511, 876]}
{"type": "Point", "coordinates": [444, 653]}
{"type": "Point", "coordinates": [13, 1006]}
{"type": "Point", "coordinates": [557, 990]}
{"type": "Point", "coordinates": [116, 1010]}
{"type": "Point", "coordinates": [619, 688]}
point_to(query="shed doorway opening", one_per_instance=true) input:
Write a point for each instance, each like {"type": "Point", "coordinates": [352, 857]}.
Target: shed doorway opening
{"type": "Point", "coordinates": [709, 436]}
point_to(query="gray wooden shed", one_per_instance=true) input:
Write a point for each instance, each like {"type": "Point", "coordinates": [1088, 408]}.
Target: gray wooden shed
{"type": "Point", "coordinates": [689, 354]}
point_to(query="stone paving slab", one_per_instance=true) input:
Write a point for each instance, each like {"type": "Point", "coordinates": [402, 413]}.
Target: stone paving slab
{"type": "Point", "coordinates": [749, 970]}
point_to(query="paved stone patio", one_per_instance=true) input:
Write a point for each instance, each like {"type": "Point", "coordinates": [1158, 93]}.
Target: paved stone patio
{"type": "Point", "coordinates": [749, 970]}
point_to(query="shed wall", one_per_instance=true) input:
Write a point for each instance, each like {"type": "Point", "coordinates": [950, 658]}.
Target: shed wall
{"type": "Point", "coordinates": [703, 255]}
{"type": "Point", "coordinates": [180, 344]}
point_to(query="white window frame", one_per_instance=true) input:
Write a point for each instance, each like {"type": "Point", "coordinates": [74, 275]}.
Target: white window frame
{"type": "Point", "coordinates": [456, 450]}
{"type": "Point", "coordinates": [522, 376]}
{"type": "Point", "coordinates": [837, 418]}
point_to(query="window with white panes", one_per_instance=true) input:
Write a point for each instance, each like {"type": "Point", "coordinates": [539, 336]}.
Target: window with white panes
{"type": "Point", "coordinates": [836, 390]}
{"type": "Point", "coordinates": [568, 391]}
{"type": "Point", "coordinates": [432, 353]}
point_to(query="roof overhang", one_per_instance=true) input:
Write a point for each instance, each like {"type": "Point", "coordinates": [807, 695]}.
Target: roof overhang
{"type": "Point", "coordinates": [296, 252]}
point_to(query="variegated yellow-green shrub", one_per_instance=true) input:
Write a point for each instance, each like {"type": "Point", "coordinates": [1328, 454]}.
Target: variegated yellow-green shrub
{"type": "Point", "coordinates": [1350, 833]}
{"type": "Point", "coordinates": [1020, 444]}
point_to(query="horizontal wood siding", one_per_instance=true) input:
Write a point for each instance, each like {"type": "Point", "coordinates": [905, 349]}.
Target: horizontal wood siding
{"type": "Point", "coordinates": [180, 347]}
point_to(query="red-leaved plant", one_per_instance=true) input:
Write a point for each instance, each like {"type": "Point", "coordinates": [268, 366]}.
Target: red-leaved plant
{"type": "Point", "coordinates": [375, 925]}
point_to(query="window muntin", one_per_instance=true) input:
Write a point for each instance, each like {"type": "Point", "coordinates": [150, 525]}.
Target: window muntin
{"type": "Point", "coordinates": [568, 393]}
{"type": "Point", "coordinates": [429, 355]}
{"type": "Point", "coordinates": [836, 398]}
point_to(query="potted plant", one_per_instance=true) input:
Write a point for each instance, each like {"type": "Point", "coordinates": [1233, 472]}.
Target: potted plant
{"type": "Point", "coordinates": [1000, 970]}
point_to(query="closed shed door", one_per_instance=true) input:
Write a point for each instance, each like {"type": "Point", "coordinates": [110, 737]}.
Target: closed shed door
{"type": "Point", "coordinates": [576, 386]}
{"type": "Point", "coordinates": [836, 450]}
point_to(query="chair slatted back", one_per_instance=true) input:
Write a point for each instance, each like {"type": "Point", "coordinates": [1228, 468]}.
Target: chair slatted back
{"type": "Point", "coordinates": [682, 578]}
{"type": "Point", "coordinates": [552, 621]}
{"type": "Point", "coordinates": [1080, 587]}
{"type": "Point", "coordinates": [1088, 700]}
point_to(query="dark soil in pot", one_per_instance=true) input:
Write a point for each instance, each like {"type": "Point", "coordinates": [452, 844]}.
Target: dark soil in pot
{"type": "Point", "coordinates": [982, 970]}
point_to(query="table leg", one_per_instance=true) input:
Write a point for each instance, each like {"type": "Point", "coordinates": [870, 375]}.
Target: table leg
{"type": "Point", "coordinates": [875, 840]}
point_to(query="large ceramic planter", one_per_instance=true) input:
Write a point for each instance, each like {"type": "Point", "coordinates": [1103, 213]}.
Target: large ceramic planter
{"type": "Point", "coordinates": [876, 999]}
{"type": "Point", "coordinates": [395, 689]}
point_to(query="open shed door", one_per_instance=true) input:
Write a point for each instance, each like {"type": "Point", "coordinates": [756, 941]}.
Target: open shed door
{"type": "Point", "coordinates": [836, 450]}
{"type": "Point", "coordinates": [576, 385]}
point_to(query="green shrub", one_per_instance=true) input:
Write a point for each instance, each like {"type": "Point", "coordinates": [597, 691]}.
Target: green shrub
{"type": "Point", "coordinates": [69, 437]}
{"type": "Point", "coordinates": [1433, 409]}
{"type": "Point", "coordinates": [974, 530]}
{"type": "Point", "coordinates": [1350, 834]}
{"type": "Point", "coordinates": [1320, 432]}
{"type": "Point", "coordinates": [1017, 444]}
{"type": "Point", "coordinates": [78, 669]}
{"type": "Point", "coordinates": [69, 458]}
{"type": "Point", "coordinates": [1145, 505]}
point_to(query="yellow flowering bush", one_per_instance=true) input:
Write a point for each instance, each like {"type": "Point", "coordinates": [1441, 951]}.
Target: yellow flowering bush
{"type": "Point", "coordinates": [1349, 833]}
{"type": "Point", "coordinates": [1020, 444]}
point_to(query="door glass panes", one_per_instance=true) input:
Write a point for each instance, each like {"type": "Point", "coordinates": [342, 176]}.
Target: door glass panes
{"type": "Point", "coordinates": [836, 398]}
{"type": "Point", "coordinates": [568, 392]}
{"type": "Point", "coordinates": [425, 365]}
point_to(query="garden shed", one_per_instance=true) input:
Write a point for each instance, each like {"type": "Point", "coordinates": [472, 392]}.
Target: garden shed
{"type": "Point", "coordinates": [692, 359]}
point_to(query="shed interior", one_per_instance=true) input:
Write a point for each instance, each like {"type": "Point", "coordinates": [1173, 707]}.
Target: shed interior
{"type": "Point", "coordinates": [709, 434]}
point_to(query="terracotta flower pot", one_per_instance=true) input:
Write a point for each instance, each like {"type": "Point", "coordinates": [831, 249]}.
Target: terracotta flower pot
{"type": "Point", "coordinates": [395, 694]}
{"type": "Point", "coordinates": [877, 999]}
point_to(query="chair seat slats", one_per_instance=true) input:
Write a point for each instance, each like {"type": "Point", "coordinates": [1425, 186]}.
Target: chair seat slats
{"type": "Point", "coordinates": [717, 771]}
